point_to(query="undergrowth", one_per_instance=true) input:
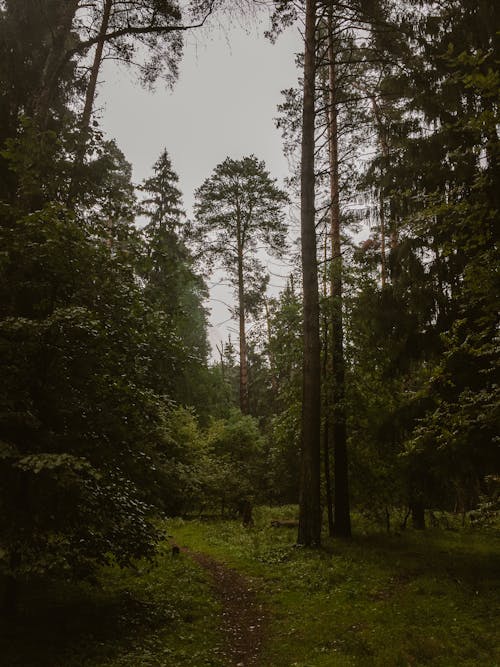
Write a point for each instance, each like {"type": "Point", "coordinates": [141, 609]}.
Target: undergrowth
{"type": "Point", "coordinates": [417, 598]}
{"type": "Point", "coordinates": [160, 614]}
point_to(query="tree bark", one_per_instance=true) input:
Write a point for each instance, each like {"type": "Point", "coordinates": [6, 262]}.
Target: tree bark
{"type": "Point", "coordinates": [242, 330]}
{"type": "Point", "coordinates": [326, 436]}
{"type": "Point", "coordinates": [309, 532]}
{"type": "Point", "coordinates": [96, 66]}
{"type": "Point", "coordinates": [385, 153]}
{"type": "Point", "coordinates": [342, 518]}
{"type": "Point", "coordinates": [272, 365]}
{"type": "Point", "coordinates": [326, 371]}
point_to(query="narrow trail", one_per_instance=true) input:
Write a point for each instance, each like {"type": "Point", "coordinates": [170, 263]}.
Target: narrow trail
{"type": "Point", "coordinates": [243, 616]}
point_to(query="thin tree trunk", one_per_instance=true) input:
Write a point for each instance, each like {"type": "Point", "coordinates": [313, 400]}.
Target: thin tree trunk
{"type": "Point", "coordinates": [326, 371]}
{"type": "Point", "coordinates": [309, 499]}
{"type": "Point", "coordinates": [243, 342]}
{"type": "Point", "coordinates": [383, 264]}
{"type": "Point", "coordinates": [11, 588]}
{"type": "Point", "coordinates": [54, 62]}
{"type": "Point", "coordinates": [89, 100]}
{"type": "Point", "coordinates": [342, 519]}
{"type": "Point", "coordinates": [384, 146]}
{"type": "Point", "coordinates": [272, 365]}
{"type": "Point", "coordinates": [326, 435]}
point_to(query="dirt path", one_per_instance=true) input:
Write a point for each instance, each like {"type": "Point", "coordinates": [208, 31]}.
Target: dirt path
{"type": "Point", "coordinates": [243, 615]}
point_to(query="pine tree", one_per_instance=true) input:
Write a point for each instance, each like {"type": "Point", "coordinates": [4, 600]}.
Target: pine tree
{"type": "Point", "coordinates": [237, 208]}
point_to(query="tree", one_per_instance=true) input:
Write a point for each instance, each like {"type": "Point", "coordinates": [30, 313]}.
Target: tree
{"type": "Point", "coordinates": [237, 208]}
{"type": "Point", "coordinates": [236, 462]}
{"type": "Point", "coordinates": [125, 24]}
{"type": "Point", "coordinates": [171, 285]}
{"type": "Point", "coordinates": [342, 520]}
{"type": "Point", "coordinates": [285, 345]}
{"type": "Point", "coordinates": [431, 334]}
{"type": "Point", "coordinates": [78, 422]}
{"type": "Point", "coordinates": [309, 502]}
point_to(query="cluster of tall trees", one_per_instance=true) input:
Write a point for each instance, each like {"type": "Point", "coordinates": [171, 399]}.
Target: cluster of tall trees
{"type": "Point", "coordinates": [370, 379]}
{"type": "Point", "coordinates": [399, 126]}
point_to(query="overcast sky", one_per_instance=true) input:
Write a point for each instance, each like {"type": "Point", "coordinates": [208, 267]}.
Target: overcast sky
{"type": "Point", "coordinates": [224, 104]}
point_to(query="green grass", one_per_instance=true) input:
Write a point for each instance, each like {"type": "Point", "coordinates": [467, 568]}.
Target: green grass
{"type": "Point", "coordinates": [425, 598]}
{"type": "Point", "coordinates": [158, 615]}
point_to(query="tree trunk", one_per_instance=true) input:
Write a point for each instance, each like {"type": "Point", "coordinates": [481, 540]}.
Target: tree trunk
{"type": "Point", "coordinates": [89, 101]}
{"type": "Point", "coordinates": [326, 436]}
{"type": "Point", "coordinates": [309, 499]}
{"type": "Point", "coordinates": [272, 365]}
{"type": "Point", "coordinates": [9, 602]}
{"type": "Point", "coordinates": [54, 62]}
{"type": "Point", "coordinates": [417, 514]}
{"type": "Point", "coordinates": [383, 267]}
{"type": "Point", "coordinates": [326, 371]}
{"type": "Point", "coordinates": [385, 154]}
{"type": "Point", "coordinates": [243, 342]}
{"type": "Point", "coordinates": [342, 519]}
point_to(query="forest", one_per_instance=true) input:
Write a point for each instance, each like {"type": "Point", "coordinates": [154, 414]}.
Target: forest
{"type": "Point", "coordinates": [322, 489]}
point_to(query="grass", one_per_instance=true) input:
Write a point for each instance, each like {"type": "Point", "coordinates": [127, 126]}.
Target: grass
{"type": "Point", "coordinates": [421, 598]}
{"type": "Point", "coordinates": [162, 614]}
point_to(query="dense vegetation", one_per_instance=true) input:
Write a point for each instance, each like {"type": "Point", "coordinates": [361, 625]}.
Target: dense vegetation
{"type": "Point", "coordinates": [371, 382]}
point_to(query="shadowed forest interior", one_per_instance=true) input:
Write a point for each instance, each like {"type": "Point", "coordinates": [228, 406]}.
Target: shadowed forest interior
{"type": "Point", "coordinates": [322, 487]}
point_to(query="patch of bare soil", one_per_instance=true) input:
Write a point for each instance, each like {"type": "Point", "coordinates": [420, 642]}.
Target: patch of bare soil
{"type": "Point", "coordinates": [243, 615]}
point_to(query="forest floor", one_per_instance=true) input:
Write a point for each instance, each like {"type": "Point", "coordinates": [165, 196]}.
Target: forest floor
{"type": "Point", "coordinates": [243, 614]}
{"type": "Point", "coordinates": [250, 597]}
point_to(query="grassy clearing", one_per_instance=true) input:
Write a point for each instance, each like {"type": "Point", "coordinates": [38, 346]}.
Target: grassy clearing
{"type": "Point", "coordinates": [416, 599]}
{"type": "Point", "coordinates": [158, 615]}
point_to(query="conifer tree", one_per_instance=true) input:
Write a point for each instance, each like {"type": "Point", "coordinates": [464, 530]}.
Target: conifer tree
{"type": "Point", "coordinates": [237, 208]}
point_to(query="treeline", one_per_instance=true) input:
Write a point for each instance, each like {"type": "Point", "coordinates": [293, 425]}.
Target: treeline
{"type": "Point", "coordinates": [370, 380]}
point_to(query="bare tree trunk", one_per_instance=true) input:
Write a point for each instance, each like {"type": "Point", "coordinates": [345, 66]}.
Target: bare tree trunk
{"type": "Point", "coordinates": [385, 153]}
{"type": "Point", "coordinates": [326, 436]}
{"type": "Point", "coordinates": [342, 519]}
{"type": "Point", "coordinates": [309, 500]}
{"type": "Point", "coordinates": [89, 100]}
{"type": "Point", "coordinates": [54, 62]}
{"type": "Point", "coordinates": [272, 365]}
{"type": "Point", "coordinates": [243, 342]}
{"type": "Point", "coordinates": [383, 263]}
{"type": "Point", "coordinates": [326, 371]}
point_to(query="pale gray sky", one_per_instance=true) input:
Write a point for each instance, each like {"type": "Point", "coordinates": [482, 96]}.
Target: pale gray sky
{"type": "Point", "coordinates": [223, 104]}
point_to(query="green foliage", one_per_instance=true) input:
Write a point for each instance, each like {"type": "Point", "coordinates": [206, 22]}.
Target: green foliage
{"type": "Point", "coordinates": [284, 427]}
{"type": "Point", "coordinates": [236, 461]}
{"type": "Point", "coordinates": [80, 421]}
{"type": "Point", "coordinates": [171, 286]}
{"type": "Point", "coordinates": [424, 348]}
{"type": "Point", "coordinates": [237, 208]}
